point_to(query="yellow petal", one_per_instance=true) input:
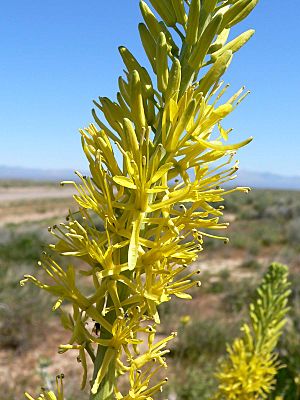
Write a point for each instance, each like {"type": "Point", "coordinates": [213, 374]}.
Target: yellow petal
{"type": "Point", "coordinates": [219, 146]}
{"type": "Point", "coordinates": [183, 296]}
{"type": "Point", "coordinates": [124, 181]}
{"type": "Point", "coordinates": [160, 172]}
{"type": "Point", "coordinates": [134, 241]}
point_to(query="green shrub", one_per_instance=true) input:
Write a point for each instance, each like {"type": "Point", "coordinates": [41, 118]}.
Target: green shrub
{"type": "Point", "coordinates": [22, 313]}
{"type": "Point", "coordinates": [203, 337]}
{"type": "Point", "coordinates": [238, 295]}
{"type": "Point", "coordinates": [25, 247]}
{"type": "Point", "coordinates": [293, 231]}
{"type": "Point", "coordinates": [196, 385]}
{"type": "Point", "coordinates": [251, 264]}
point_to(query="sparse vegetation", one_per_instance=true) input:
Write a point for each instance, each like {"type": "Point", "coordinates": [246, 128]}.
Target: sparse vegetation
{"type": "Point", "coordinates": [224, 298]}
{"type": "Point", "coordinates": [22, 314]}
{"type": "Point", "coordinates": [203, 338]}
{"type": "Point", "coordinates": [24, 248]}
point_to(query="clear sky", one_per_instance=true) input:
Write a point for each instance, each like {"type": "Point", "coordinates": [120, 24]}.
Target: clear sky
{"type": "Point", "coordinates": [58, 55]}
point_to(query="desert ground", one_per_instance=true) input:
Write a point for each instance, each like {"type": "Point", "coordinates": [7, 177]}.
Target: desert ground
{"type": "Point", "coordinates": [264, 227]}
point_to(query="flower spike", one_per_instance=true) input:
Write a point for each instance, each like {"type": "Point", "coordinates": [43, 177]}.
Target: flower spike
{"type": "Point", "coordinates": [158, 155]}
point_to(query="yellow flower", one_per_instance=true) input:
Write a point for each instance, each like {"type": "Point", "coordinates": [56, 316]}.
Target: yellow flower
{"type": "Point", "coordinates": [184, 320]}
{"type": "Point", "coordinates": [251, 366]}
{"type": "Point", "coordinates": [49, 394]}
{"type": "Point", "coordinates": [158, 161]}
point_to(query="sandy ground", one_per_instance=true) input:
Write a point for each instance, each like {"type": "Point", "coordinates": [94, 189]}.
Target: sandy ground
{"type": "Point", "coordinates": [13, 217]}
{"type": "Point", "coordinates": [31, 204]}
{"type": "Point", "coordinates": [232, 264]}
{"type": "Point", "coordinates": [13, 194]}
{"type": "Point", "coordinates": [37, 366]}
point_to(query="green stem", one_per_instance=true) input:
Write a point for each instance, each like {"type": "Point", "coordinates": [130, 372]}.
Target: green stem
{"type": "Point", "coordinates": [106, 388]}
{"type": "Point", "coordinates": [187, 78]}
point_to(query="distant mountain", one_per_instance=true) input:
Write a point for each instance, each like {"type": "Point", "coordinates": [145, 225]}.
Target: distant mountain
{"type": "Point", "coordinates": [266, 180]}
{"type": "Point", "coordinates": [259, 180]}
{"type": "Point", "coordinates": [35, 174]}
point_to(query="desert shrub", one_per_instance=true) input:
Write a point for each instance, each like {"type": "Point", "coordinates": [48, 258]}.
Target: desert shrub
{"type": "Point", "coordinates": [235, 202]}
{"type": "Point", "coordinates": [269, 233]}
{"type": "Point", "coordinates": [293, 231]}
{"type": "Point", "coordinates": [219, 283]}
{"type": "Point", "coordinates": [203, 337]}
{"type": "Point", "coordinates": [251, 264]}
{"type": "Point", "coordinates": [238, 295]}
{"type": "Point", "coordinates": [262, 201]}
{"type": "Point", "coordinates": [22, 313]}
{"type": "Point", "coordinates": [239, 242]}
{"type": "Point", "coordinates": [25, 247]}
{"type": "Point", "coordinates": [252, 235]}
{"type": "Point", "coordinates": [196, 385]}
{"type": "Point", "coordinates": [289, 254]}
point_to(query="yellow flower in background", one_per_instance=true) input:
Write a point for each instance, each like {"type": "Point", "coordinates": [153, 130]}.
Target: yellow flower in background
{"type": "Point", "coordinates": [185, 319]}
{"type": "Point", "coordinates": [48, 394]}
{"type": "Point", "coordinates": [251, 366]}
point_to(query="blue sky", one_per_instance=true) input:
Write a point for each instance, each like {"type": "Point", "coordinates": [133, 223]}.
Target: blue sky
{"type": "Point", "coordinates": [58, 55]}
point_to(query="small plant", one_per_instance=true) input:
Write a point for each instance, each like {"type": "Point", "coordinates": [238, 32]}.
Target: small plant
{"type": "Point", "coordinates": [250, 369]}
{"type": "Point", "coordinates": [158, 205]}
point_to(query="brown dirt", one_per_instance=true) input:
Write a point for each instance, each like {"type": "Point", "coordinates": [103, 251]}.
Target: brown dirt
{"type": "Point", "coordinates": [29, 204]}
{"type": "Point", "coordinates": [21, 370]}
{"type": "Point", "coordinates": [13, 194]}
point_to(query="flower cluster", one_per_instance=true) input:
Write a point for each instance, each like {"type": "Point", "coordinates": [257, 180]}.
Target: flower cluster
{"type": "Point", "coordinates": [250, 369]}
{"type": "Point", "coordinates": [48, 394]}
{"type": "Point", "coordinates": [158, 163]}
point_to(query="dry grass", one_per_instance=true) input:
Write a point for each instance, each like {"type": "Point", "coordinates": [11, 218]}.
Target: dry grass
{"type": "Point", "coordinates": [229, 276]}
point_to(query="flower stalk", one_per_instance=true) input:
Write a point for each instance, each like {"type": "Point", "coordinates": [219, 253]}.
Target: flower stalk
{"type": "Point", "coordinates": [251, 366]}
{"type": "Point", "coordinates": [159, 158]}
